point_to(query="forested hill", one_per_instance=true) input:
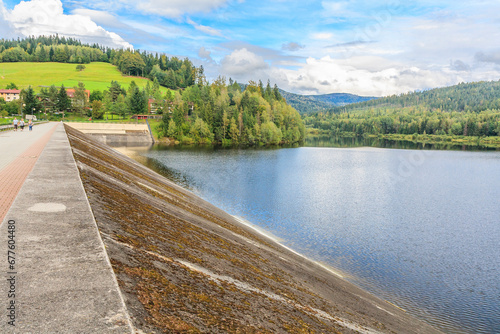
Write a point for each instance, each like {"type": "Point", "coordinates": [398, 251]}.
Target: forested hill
{"type": "Point", "coordinates": [467, 109]}
{"type": "Point", "coordinates": [307, 104]}
{"type": "Point", "coordinates": [474, 97]}
{"type": "Point", "coordinates": [170, 72]}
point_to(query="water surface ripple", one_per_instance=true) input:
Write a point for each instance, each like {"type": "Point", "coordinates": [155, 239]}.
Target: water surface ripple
{"type": "Point", "coordinates": [420, 229]}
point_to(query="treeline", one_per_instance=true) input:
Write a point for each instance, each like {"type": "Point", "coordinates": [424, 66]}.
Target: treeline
{"type": "Point", "coordinates": [225, 114]}
{"type": "Point", "coordinates": [203, 113]}
{"type": "Point", "coordinates": [408, 121]}
{"type": "Point", "coordinates": [473, 97]}
{"type": "Point", "coordinates": [170, 72]}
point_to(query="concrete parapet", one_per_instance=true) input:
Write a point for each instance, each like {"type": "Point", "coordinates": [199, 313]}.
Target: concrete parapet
{"type": "Point", "coordinates": [115, 133]}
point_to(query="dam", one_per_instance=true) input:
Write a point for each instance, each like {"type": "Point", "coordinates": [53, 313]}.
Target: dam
{"type": "Point", "coordinates": [106, 245]}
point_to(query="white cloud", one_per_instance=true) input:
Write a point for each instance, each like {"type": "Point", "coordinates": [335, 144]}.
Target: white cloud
{"type": "Point", "coordinates": [205, 54]}
{"type": "Point", "coordinates": [322, 36]}
{"type": "Point", "coordinates": [326, 75]}
{"type": "Point", "coordinates": [335, 8]}
{"type": "Point", "coordinates": [100, 17]}
{"type": "Point", "coordinates": [46, 17]}
{"type": "Point", "coordinates": [177, 8]}
{"type": "Point", "coordinates": [7, 29]}
{"type": "Point", "coordinates": [372, 77]}
{"type": "Point", "coordinates": [242, 64]}
{"type": "Point", "coordinates": [205, 29]}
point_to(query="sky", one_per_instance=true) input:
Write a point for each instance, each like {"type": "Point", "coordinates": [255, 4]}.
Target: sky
{"type": "Point", "coordinates": [368, 48]}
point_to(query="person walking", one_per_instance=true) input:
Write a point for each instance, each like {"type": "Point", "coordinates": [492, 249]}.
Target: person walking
{"type": "Point", "coordinates": [30, 124]}
{"type": "Point", "coordinates": [15, 123]}
{"type": "Point", "coordinates": [21, 124]}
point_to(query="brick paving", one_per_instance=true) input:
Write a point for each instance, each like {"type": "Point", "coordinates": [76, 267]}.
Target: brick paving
{"type": "Point", "coordinates": [14, 174]}
{"type": "Point", "coordinates": [60, 271]}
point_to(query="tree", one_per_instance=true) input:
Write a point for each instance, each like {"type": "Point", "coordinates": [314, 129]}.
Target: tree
{"type": "Point", "coordinates": [11, 86]}
{"type": "Point", "coordinates": [115, 90]}
{"type": "Point", "coordinates": [12, 107]}
{"type": "Point", "coordinates": [79, 103]}
{"type": "Point", "coordinates": [170, 80]}
{"type": "Point", "coordinates": [96, 95]}
{"type": "Point", "coordinates": [172, 128]}
{"type": "Point", "coordinates": [14, 55]}
{"type": "Point", "coordinates": [201, 132]}
{"type": "Point", "coordinates": [233, 131]}
{"type": "Point", "coordinates": [63, 101]}
{"type": "Point", "coordinates": [52, 98]}
{"type": "Point", "coordinates": [131, 88]}
{"type": "Point", "coordinates": [137, 101]}
{"type": "Point", "coordinates": [120, 107]}
{"type": "Point", "coordinates": [277, 95]}
{"type": "Point", "coordinates": [268, 93]}
{"type": "Point", "coordinates": [97, 109]}
{"type": "Point", "coordinates": [80, 67]}
{"type": "Point", "coordinates": [31, 103]}
{"type": "Point", "coordinates": [225, 124]}
{"type": "Point", "coordinates": [270, 133]}
{"type": "Point", "coordinates": [131, 63]}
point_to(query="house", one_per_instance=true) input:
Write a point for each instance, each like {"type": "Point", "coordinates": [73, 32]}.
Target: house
{"type": "Point", "coordinates": [139, 117]}
{"type": "Point", "coordinates": [155, 105]}
{"type": "Point", "coordinates": [152, 106]}
{"type": "Point", "coordinates": [10, 94]}
{"type": "Point", "coordinates": [71, 93]}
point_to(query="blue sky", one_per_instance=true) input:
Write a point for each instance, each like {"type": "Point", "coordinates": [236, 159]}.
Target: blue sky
{"type": "Point", "coordinates": [310, 47]}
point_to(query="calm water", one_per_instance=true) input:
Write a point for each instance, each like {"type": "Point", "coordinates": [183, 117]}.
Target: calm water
{"type": "Point", "coordinates": [323, 141]}
{"type": "Point", "coordinates": [420, 229]}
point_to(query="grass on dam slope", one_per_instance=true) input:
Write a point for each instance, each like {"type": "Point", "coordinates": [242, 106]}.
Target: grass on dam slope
{"type": "Point", "coordinates": [96, 76]}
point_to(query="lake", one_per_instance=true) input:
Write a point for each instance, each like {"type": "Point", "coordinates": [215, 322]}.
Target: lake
{"type": "Point", "coordinates": [418, 228]}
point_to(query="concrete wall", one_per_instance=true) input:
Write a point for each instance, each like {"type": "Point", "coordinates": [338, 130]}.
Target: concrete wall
{"type": "Point", "coordinates": [115, 133]}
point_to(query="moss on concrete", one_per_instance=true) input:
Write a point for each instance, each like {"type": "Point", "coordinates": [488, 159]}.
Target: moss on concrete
{"type": "Point", "coordinates": [185, 266]}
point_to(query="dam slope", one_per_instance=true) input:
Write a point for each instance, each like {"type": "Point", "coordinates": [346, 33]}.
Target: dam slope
{"type": "Point", "coordinates": [184, 265]}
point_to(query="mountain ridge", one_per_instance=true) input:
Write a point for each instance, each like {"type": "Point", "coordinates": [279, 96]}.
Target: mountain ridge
{"type": "Point", "coordinates": [306, 104]}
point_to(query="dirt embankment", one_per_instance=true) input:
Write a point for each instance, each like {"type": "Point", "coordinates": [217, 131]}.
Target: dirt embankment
{"type": "Point", "coordinates": [185, 266]}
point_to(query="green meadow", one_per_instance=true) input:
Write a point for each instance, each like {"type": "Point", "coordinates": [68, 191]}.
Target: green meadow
{"type": "Point", "coordinates": [95, 76]}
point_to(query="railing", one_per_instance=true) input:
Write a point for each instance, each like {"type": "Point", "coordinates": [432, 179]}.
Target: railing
{"type": "Point", "coordinates": [6, 127]}
{"type": "Point", "coordinates": [11, 127]}
{"type": "Point", "coordinates": [150, 132]}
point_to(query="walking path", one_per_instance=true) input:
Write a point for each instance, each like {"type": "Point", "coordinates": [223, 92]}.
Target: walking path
{"type": "Point", "coordinates": [19, 150]}
{"type": "Point", "coordinates": [57, 277]}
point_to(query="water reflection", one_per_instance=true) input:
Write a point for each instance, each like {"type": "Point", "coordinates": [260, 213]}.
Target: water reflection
{"type": "Point", "coordinates": [349, 142]}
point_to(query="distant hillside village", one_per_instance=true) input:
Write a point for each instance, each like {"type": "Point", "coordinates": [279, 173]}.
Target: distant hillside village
{"type": "Point", "coordinates": [10, 95]}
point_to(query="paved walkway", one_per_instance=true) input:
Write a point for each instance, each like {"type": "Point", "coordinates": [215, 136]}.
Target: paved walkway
{"type": "Point", "coordinates": [19, 150]}
{"type": "Point", "coordinates": [58, 278]}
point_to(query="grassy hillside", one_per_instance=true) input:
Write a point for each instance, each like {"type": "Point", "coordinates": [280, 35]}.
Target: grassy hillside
{"type": "Point", "coordinates": [95, 76]}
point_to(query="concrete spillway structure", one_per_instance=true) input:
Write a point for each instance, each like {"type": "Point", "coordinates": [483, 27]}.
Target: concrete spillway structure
{"type": "Point", "coordinates": [116, 133]}
{"type": "Point", "coordinates": [184, 265]}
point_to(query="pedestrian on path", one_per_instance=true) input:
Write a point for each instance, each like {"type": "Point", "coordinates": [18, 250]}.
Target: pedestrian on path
{"type": "Point", "coordinates": [15, 123]}
{"type": "Point", "coordinates": [22, 124]}
{"type": "Point", "coordinates": [30, 124]}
